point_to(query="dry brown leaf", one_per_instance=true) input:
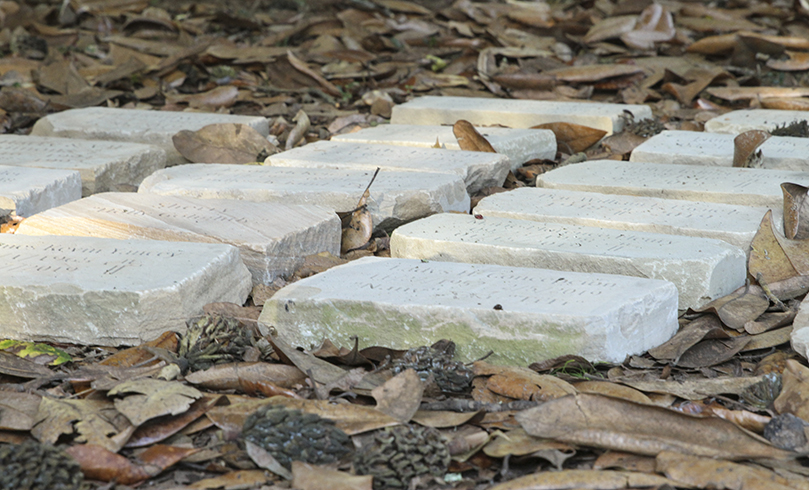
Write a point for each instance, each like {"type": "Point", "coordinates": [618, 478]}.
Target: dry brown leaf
{"type": "Point", "coordinates": [302, 125]}
{"type": "Point", "coordinates": [359, 225]}
{"type": "Point", "coordinates": [18, 411]}
{"type": "Point", "coordinates": [655, 24]}
{"type": "Point", "coordinates": [96, 421]}
{"type": "Point", "coordinates": [770, 321]}
{"type": "Point", "coordinates": [469, 139]}
{"type": "Point", "coordinates": [224, 96]}
{"type": "Point", "coordinates": [794, 397]}
{"type": "Point", "coordinates": [526, 81]}
{"type": "Point", "coordinates": [796, 211]}
{"type": "Point", "coordinates": [235, 480]}
{"type": "Point", "coordinates": [585, 479]}
{"type": "Point", "coordinates": [714, 45]}
{"type": "Point", "coordinates": [145, 399]}
{"type": "Point", "coordinates": [622, 143]}
{"type": "Point", "coordinates": [231, 376]}
{"type": "Point", "coordinates": [745, 146]}
{"type": "Point", "coordinates": [573, 138]}
{"type": "Point", "coordinates": [310, 477]}
{"type": "Point", "coordinates": [739, 307]}
{"type": "Point", "coordinates": [610, 28]}
{"type": "Point", "coordinates": [223, 143]}
{"type": "Point", "coordinates": [769, 339]}
{"type": "Point", "coordinates": [746, 93]}
{"type": "Point", "coordinates": [711, 352]}
{"type": "Point", "coordinates": [766, 255]}
{"type": "Point", "coordinates": [158, 430]}
{"type": "Point", "coordinates": [614, 390]}
{"type": "Point", "coordinates": [299, 65]}
{"type": "Point", "coordinates": [624, 461]}
{"type": "Point", "coordinates": [798, 61]}
{"type": "Point", "coordinates": [593, 73]}
{"type": "Point", "coordinates": [610, 423]}
{"type": "Point", "coordinates": [785, 104]}
{"type": "Point", "coordinates": [711, 473]}
{"type": "Point", "coordinates": [522, 383]}
{"type": "Point", "coordinates": [694, 389]}
{"type": "Point", "coordinates": [687, 337]}
{"type": "Point", "coordinates": [400, 396]}
{"type": "Point", "coordinates": [98, 463]}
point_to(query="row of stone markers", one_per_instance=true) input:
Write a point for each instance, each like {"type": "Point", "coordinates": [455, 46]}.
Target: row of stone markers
{"type": "Point", "coordinates": [269, 217]}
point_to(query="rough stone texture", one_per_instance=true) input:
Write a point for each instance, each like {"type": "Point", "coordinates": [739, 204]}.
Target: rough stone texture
{"type": "Point", "coordinates": [734, 224]}
{"type": "Point", "coordinates": [272, 238]}
{"type": "Point", "coordinates": [136, 126]}
{"type": "Point", "coordinates": [800, 333]}
{"type": "Point", "coordinates": [514, 113]}
{"type": "Point", "coordinates": [744, 186]}
{"type": "Point", "coordinates": [702, 269]}
{"type": "Point", "coordinates": [104, 166]}
{"type": "Point", "coordinates": [396, 197]}
{"type": "Point", "coordinates": [111, 292]}
{"type": "Point", "coordinates": [542, 314]}
{"type": "Point", "coordinates": [28, 191]}
{"type": "Point", "coordinates": [716, 149]}
{"type": "Point", "coordinates": [736, 122]}
{"type": "Point", "coordinates": [519, 145]}
{"type": "Point", "coordinates": [477, 169]}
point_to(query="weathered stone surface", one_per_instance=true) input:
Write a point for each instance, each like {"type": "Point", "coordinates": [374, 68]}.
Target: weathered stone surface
{"type": "Point", "coordinates": [702, 269]}
{"type": "Point", "coordinates": [104, 165]}
{"type": "Point", "coordinates": [800, 333]}
{"type": "Point", "coordinates": [136, 126]}
{"type": "Point", "coordinates": [111, 292]}
{"type": "Point", "coordinates": [514, 113]}
{"type": "Point", "coordinates": [744, 186]}
{"type": "Point", "coordinates": [542, 314]}
{"type": "Point", "coordinates": [734, 224]}
{"type": "Point", "coordinates": [477, 169]}
{"type": "Point", "coordinates": [519, 145]}
{"type": "Point", "coordinates": [716, 149]}
{"type": "Point", "coordinates": [396, 197]}
{"type": "Point", "coordinates": [272, 238]}
{"type": "Point", "coordinates": [736, 122]}
{"type": "Point", "coordinates": [31, 190]}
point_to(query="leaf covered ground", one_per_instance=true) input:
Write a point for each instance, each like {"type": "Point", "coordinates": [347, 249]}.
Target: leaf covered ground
{"type": "Point", "coordinates": [721, 405]}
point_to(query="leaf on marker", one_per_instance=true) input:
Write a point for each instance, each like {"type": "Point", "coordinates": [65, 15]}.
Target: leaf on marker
{"type": "Point", "coordinates": [745, 146]}
{"type": "Point", "coordinates": [573, 138]}
{"type": "Point", "coordinates": [796, 211]}
{"type": "Point", "coordinates": [437, 144]}
{"type": "Point", "coordinates": [302, 125]}
{"type": "Point", "coordinates": [766, 255]}
{"type": "Point", "coordinates": [146, 398]}
{"type": "Point", "coordinates": [223, 143]}
{"type": "Point", "coordinates": [358, 226]}
{"type": "Point", "coordinates": [469, 139]}
{"type": "Point", "coordinates": [610, 423]}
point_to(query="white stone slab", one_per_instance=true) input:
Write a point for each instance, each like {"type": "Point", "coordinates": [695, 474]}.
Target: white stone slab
{"type": "Point", "coordinates": [477, 169]}
{"type": "Point", "coordinates": [743, 186]}
{"type": "Point", "coordinates": [736, 122]}
{"type": "Point", "coordinates": [514, 113]}
{"type": "Point", "coordinates": [136, 126]}
{"type": "Point", "coordinates": [104, 165]}
{"type": "Point", "coordinates": [396, 197]}
{"type": "Point", "coordinates": [519, 145]}
{"type": "Point", "coordinates": [716, 149]}
{"type": "Point", "coordinates": [734, 224]}
{"type": "Point", "coordinates": [799, 339]}
{"type": "Point", "coordinates": [542, 314]}
{"type": "Point", "coordinates": [31, 190]}
{"type": "Point", "coordinates": [111, 292]}
{"type": "Point", "coordinates": [272, 238]}
{"type": "Point", "coordinates": [703, 269]}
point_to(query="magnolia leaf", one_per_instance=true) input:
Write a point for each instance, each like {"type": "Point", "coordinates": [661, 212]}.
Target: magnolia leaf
{"type": "Point", "coordinates": [573, 138]}
{"type": "Point", "coordinates": [745, 146]}
{"type": "Point", "coordinates": [223, 143]}
{"type": "Point", "coordinates": [766, 255]}
{"type": "Point", "coordinates": [469, 139]}
{"type": "Point", "coordinates": [359, 225]}
{"type": "Point", "coordinates": [796, 211]}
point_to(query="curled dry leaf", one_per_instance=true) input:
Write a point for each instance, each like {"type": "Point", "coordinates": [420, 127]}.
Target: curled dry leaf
{"type": "Point", "coordinates": [96, 421]}
{"type": "Point", "coordinates": [796, 211]}
{"type": "Point", "coordinates": [655, 25]}
{"type": "Point", "coordinates": [223, 143]}
{"type": "Point", "coordinates": [98, 463]}
{"type": "Point", "coordinates": [302, 125]}
{"type": "Point", "coordinates": [694, 389]}
{"type": "Point", "coordinates": [593, 73]}
{"type": "Point", "coordinates": [573, 138]}
{"type": "Point", "coordinates": [302, 67]}
{"type": "Point", "coordinates": [610, 423]}
{"type": "Point", "coordinates": [766, 255]}
{"type": "Point", "coordinates": [146, 398]}
{"type": "Point", "coordinates": [785, 103]}
{"type": "Point", "coordinates": [359, 225]}
{"type": "Point", "coordinates": [739, 307]}
{"type": "Point", "coordinates": [585, 479]}
{"type": "Point", "coordinates": [469, 138]}
{"type": "Point", "coordinates": [712, 473]}
{"type": "Point", "coordinates": [219, 97]}
{"type": "Point", "coordinates": [232, 376]}
{"type": "Point", "coordinates": [745, 146]}
{"type": "Point", "coordinates": [400, 396]}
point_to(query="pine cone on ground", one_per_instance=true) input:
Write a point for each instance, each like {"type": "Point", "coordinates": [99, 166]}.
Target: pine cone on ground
{"type": "Point", "coordinates": [291, 435]}
{"type": "Point", "coordinates": [214, 339]}
{"type": "Point", "coordinates": [401, 453]}
{"type": "Point", "coordinates": [35, 466]}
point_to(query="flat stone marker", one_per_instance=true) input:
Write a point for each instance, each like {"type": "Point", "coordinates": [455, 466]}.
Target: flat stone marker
{"type": "Point", "coordinates": [733, 224]}
{"type": "Point", "coordinates": [104, 166]}
{"type": "Point", "coordinates": [272, 238]}
{"type": "Point", "coordinates": [31, 190]}
{"type": "Point", "coordinates": [743, 186]}
{"type": "Point", "coordinates": [477, 169]}
{"type": "Point", "coordinates": [702, 269]}
{"type": "Point", "coordinates": [716, 149]}
{"type": "Point", "coordinates": [519, 145]}
{"type": "Point", "coordinates": [136, 126]}
{"type": "Point", "coordinates": [522, 315]}
{"type": "Point", "coordinates": [99, 291]}
{"type": "Point", "coordinates": [736, 122]}
{"type": "Point", "coordinates": [396, 197]}
{"type": "Point", "coordinates": [514, 113]}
